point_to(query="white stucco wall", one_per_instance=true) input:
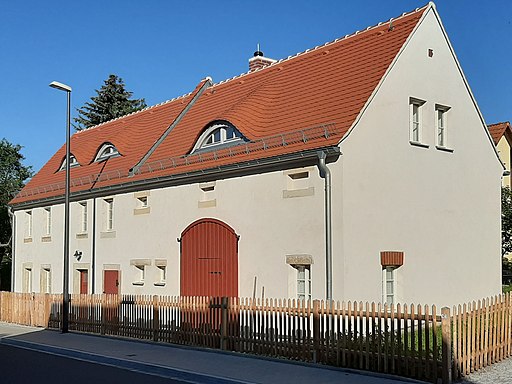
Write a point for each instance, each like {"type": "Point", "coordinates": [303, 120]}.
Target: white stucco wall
{"type": "Point", "coordinates": [442, 209]}
{"type": "Point", "coordinates": [270, 227]}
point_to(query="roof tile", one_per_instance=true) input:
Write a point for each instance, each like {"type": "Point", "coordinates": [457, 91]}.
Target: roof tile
{"type": "Point", "coordinates": [328, 85]}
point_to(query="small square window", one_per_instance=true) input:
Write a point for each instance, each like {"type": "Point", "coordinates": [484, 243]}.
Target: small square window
{"type": "Point", "coordinates": [142, 202]}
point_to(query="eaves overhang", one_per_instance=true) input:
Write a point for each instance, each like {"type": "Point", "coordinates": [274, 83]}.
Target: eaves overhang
{"type": "Point", "coordinates": [246, 168]}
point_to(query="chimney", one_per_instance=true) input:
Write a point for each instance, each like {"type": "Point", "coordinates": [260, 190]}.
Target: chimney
{"type": "Point", "coordinates": [259, 61]}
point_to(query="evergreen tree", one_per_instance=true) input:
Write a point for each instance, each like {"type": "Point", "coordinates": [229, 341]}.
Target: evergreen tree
{"type": "Point", "coordinates": [12, 176]}
{"type": "Point", "coordinates": [112, 101]}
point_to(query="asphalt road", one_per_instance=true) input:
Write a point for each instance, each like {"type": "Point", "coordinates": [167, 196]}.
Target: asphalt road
{"type": "Point", "coordinates": [21, 366]}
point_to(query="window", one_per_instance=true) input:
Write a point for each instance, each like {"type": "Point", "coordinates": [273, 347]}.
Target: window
{"type": "Point", "coordinates": [415, 124]}
{"type": "Point", "coordinates": [303, 282]}
{"type": "Point", "coordinates": [29, 224]}
{"type": "Point", "coordinates": [389, 285]}
{"type": "Point", "coordinates": [48, 220]}
{"type": "Point", "coordinates": [27, 279]}
{"type": "Point", "coordinates": [207, 198]}
{"type": "Point", "coordinates": [83, 216]}
{"type": "Point", "coordinates": [218, 134]}
{"type": "Point", "coordinates": [139, 270]}
{"type": "Point", "coordinates": [142, 202]}
{"type": "Point", "coordinates": [441, 123]}
{"type": "Point", "coordinates": [162, 272]}
{"type": "Point", "coordinates": [106, 151]}
{"type": "Point", "coordinates": [161, 266]}
{"type": "Point", "coordinates": [109, 218]}
{"type": "Point", "coordinates": [73, 162]}
{"type": "Point", "coordinates": [46, 282]}
{"type": "Point", "coordinates": [298, 183]}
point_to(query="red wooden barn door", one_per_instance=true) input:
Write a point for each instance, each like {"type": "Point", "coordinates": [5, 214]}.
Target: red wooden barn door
{"type": "Point", "coordinates": [209, 259]}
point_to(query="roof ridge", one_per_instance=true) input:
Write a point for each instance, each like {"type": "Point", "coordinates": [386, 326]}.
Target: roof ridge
{"type": "Point", "coordinates": [501, 122]}
{"type": "Point", "coordinates": [309, 50]}
{"type": "Point", "coordinates": [144, 109]}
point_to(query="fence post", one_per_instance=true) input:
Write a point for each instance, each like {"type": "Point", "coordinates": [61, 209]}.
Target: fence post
{"type": "Point", "coordinates": [447, 345]}
{"type": "Point", "coordinates": [224, 323]}
{"type": "Point", "coordinates": [316, 330]}
{"type": "Point", "coordinates": [156, 318]}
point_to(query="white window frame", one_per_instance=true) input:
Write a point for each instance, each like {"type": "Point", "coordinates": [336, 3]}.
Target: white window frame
{"type": "Point", "coordinates": [389, 285]}
{"type": "Point", "coordinates": [415, 120]}
{"type": "Point", "coordinates": [106, 151]}
{"type": "Point", "coordinates": [48, 220]}
{"type": "Point", "coordinates": [222, 129]}
{"type": "Point", "coordinates": [83, 216]}
{"type": "Point", "coordinates": [109, 214]}
{"type": "Point", "coordinates": [442, 126]}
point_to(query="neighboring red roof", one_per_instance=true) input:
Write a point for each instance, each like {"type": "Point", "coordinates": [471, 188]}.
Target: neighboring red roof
{"type": "Point", "coordinates": [294, 101]}
{"type": "Point", "coordinates": [498, 130]}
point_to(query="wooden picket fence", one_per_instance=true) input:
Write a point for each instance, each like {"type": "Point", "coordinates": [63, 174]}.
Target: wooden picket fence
{"type": "Point", "coordinates": [482, 334]}
{"type": "Point", "coordinates": [411, 341]}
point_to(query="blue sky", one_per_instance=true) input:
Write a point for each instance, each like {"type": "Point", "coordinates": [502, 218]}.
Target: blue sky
{"type": "Point", "coordinates": [163, 48]}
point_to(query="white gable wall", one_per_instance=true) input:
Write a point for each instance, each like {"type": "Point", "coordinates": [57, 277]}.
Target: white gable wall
{"type": "Point", "coordinates": [442, 209]}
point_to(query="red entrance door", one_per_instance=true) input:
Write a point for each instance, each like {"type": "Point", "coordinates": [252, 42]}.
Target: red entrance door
{"type": "Point", "coordinates": [111, 282]}
{"type": "Point", "coordinates": [209, 259]}
{"type": "Point", "coordinates": [84, 281]}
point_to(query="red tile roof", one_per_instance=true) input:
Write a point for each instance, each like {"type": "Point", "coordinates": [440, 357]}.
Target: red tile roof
{"type": "Point", "coordinates": [306, 101]}
{"type": "Point", "coordinates": [498, 130]}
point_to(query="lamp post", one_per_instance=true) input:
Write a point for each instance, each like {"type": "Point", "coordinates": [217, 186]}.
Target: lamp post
{"type": "Point", "coordinates": [65, 287]}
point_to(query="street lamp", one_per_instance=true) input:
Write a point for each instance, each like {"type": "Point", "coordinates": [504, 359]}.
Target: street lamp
{"type": "Point", "coordinates": [65, 288]}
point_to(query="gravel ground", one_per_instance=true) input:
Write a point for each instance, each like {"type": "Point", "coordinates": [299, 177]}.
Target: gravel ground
{"type": "Point", "coordinates": [500, 373]}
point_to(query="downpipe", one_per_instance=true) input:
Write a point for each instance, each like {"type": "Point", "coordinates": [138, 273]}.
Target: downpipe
{"type": "Point", "coordinates": [13, 232]}
{"type": "Point", "coordinates": [325, 173]}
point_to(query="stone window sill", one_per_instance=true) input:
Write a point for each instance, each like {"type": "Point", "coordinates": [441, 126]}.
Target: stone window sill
{"type": "Point", "coordinates": [108, 234]}
{"type": "Point", "coordinates": [418, 144]}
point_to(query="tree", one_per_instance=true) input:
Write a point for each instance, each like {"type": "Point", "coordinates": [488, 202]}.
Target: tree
{"type": "Point", "coordinates": [12, 176]}
{"type": "Point", "coordinates": [112, 101]}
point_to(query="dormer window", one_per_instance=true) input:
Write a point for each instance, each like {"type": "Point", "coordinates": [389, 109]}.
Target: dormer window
{"type": "Point", "coordinates": [73, 162]}
{"type": "Point", "coordinates": [106, 151]}
{"type": "Point", "coordinates": [219, 133]}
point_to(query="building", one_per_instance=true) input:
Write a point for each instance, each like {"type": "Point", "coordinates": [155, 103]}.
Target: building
{"type": "Point", "coordinates": [502, 137]}
{"type": "Point", "coordinates": [224, 191]}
